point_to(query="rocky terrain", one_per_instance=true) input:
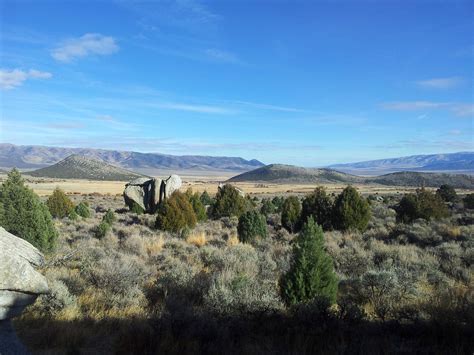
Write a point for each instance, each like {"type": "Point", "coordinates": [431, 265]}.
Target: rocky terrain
{"type": "Point", "coordinates": [80, 167]}
{"type": "Point", "coordinates": [20, 285]}
{"type": "Point", "coordinates": [277, 173]}
{"type": "Point", "coordinates": [462, 162]}
{"type": "Point", "coordinates": [34, 157]}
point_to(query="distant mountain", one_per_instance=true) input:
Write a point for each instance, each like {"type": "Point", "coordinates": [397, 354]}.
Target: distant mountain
{"type": "Point", "coordinates": [462, 162]}
{"type": "Point", "coordinates": [80, 167]}
{"type": "Point", "coordinates": [277, 173]}
{"type": "Point", "coordinates": [28, 157]}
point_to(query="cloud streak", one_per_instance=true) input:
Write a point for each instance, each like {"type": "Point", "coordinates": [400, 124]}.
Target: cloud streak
{"type": "Point", "coordinates": [10, 79]}
{"type": "Point", "coordinates": [440, 83]}
{"type": "Point", "coordinates": [88, 44]}
{"type": "Point", "coordinates": [459, 109]}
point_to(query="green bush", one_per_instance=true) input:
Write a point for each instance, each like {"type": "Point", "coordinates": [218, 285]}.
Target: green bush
{"type": "Point", "coordinates": [319, 206]}
{"type": "Point", "coordinates": [311, 275]}
{"type": "Point", "coordinates": [267, 207]}
{"type": "Point", "coordinates": [290, 213]}
{"type": "Point", "coordinates": [102, 229]}
{"type": "Point", "coordinates": [206, 199]}
{"type": "Point", "coordinates": [73, 216]}
{"type": "Point", "coordinates": [351, 211]}
{"type": "Point", "coordinates": [251, 225]}
{"type": "Point", "coordinates": [59, 204]}
{"type": "Point", "coordinates": [109, 217]}
{"type": "Point", "coordinates": [198, 207]}
{"type": "Point", "coordinates": [83, 210]}
{"type": "Point", "coordinates": [136, 208]}
{"type": "Point", "coordinates": [175, 214]}
{"type": "Point", "coordinates": [469, 201]}
{"type": "Point", "coordinates": [423, 204]}
{"type": "Point", "coordinates": [447, 193]}
{"type": "Point", "coordinates": [228, 203]}
{"type": "Point", "coordinates": [24, 215]}
{"type": "Point", "coordinates": [278, 203]}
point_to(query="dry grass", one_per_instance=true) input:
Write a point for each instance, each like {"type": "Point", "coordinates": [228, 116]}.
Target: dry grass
{"type": "Point", "coordinates": [199, 183]}
{"type": "Point", "coordinates": [154, 246]}
{"type": "Point", "coordinates": [197, 238]}
{"type": "Point", "coordinates": [233, 240]}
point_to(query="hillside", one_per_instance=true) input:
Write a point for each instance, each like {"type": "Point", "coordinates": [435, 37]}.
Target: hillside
{"type": "Point", "coordinates": [462, 162]}
{"type": "Point", "coordinates": [79, 167]}
{"type": "Point", "coordinates": [409, 178]}
{"type": "Point", "coordinates": [277, 173]}
{"type": "Point", "coordinates": [28, 157]}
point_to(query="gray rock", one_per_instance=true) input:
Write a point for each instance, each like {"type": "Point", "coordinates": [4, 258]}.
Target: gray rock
{"type": "Point", "coordinates": [20, 285]}
{"type": "Point", "coordinates": [172, 184]}
{"type": "Point", "coordinates": [149, 193]}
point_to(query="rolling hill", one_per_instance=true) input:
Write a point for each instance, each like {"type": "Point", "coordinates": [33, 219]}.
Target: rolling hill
{"type": "Point", "coordinates": [34, 157]}
{"type": "Point", "coordinates": [80, 167]}
{"type": "Point", "coordinates": [462, 162]}
{"type": "Point", "coordinates": [277, 173]}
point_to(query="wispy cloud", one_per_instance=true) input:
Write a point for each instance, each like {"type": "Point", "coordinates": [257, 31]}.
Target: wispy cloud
{"type": "Point", "coordinates": [196, 108]}
{"type": "Point", "coordinates": [459, 109]}
{"type": "Point", "coordinates": [270, 107]}
{"type": "Point", "coordinates": [89, 44]}
{"type": "Point", "coordinates": [441, 83]}
{"type": "Point", "coordinates": [427, 144]}
{"type": "Point", "coordinates": [10, 79]}
{"type": "Point", "coordinates": [222, 56]}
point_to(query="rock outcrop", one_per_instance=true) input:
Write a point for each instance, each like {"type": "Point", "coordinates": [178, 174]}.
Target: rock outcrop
{"type": "Point", "coordinates": [20, 285]}
{"type": "Point", "coordinates": [149, 193]}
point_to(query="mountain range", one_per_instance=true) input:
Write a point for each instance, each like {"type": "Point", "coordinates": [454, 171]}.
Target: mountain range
{"type": "Point", "coordinates": [279, 173]}
{"type": "Point", "coordinates": [34, 157]}
{"type": "Point", "coordinates": [462, 162]}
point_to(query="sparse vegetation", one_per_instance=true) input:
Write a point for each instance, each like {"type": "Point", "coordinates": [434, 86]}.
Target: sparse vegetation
{"type": "Point", "coordinates": [120, 285]}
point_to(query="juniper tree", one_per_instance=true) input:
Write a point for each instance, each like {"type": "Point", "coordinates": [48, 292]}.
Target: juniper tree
{"type": "Point", "coordinates": [59, 204]}
{"type": "Point", "coordinates": [251, 225]}
{"type": "Point", "coordinates": [24, 215]}
{"type": "Point", "coordinates": [319, 206]}
{"type": "Point", "coordinates": [311, 275]}
{"type": "Point", "coordinates": [351, 210]}
{"type": "Point", "coordinates": [290, 213]}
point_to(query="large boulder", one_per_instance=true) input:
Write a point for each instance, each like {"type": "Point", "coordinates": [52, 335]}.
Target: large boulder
{"type": "Point", "coordinates": [20, 285]}
{"type": "Point", "coordinates": [149, 193]}
{"type": "Point", "coordinates": [172, 184]}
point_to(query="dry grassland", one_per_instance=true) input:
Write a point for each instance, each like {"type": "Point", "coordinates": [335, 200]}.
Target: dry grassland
{"type": "Point", "coordinates": [200, 183]}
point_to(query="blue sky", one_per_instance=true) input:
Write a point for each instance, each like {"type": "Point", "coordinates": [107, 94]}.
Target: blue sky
{"type": "Point", "coordinates": [302, 82]}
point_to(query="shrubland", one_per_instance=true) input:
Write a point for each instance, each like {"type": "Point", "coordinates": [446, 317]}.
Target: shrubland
{"type": "Point", "coordinates": [247, 282]}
